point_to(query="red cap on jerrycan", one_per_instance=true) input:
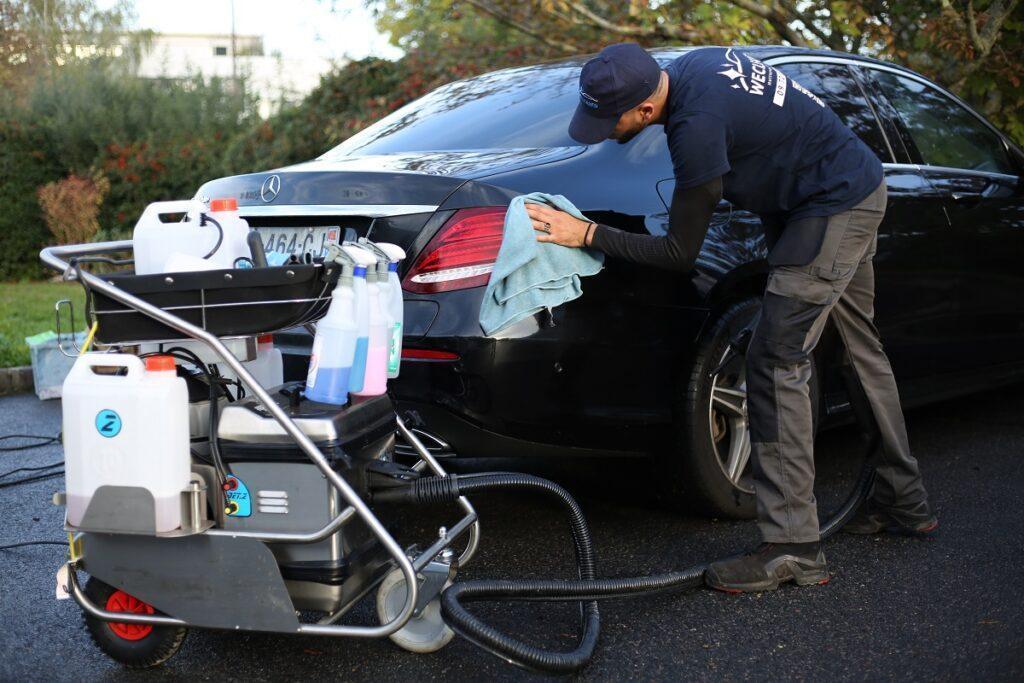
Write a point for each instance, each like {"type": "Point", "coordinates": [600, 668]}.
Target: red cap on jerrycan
{"type": "Point", "coordinates": [226, 204]}
{"type": "Point", "coordinates": [160, 364]}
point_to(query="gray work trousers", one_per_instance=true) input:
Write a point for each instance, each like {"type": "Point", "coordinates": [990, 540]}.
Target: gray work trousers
{"type": "Point", "coordinates": [841, 281]}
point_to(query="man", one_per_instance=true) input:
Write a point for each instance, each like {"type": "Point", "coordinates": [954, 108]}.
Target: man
{"type": "Point", "coordinates": [739, 129]}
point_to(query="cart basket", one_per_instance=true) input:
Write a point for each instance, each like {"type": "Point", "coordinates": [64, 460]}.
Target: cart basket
{"type": "Point", "coordinates": [226, 303]}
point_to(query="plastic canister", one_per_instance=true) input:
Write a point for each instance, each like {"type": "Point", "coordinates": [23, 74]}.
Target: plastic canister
{"type": "Point", "coordinates": [267, 367]}
{"type": "Point", "coordinates": [183, 245]}
{"type": "Point", "coordinates": [235, 243]}
{"type": "Point", "coordinates": [154, 240]}
{"type": "Point", "coordinates": [126, 424]}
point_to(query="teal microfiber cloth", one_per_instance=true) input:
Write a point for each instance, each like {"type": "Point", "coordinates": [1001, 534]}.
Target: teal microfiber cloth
{"type": "Point", "coordinates": [530, 276]}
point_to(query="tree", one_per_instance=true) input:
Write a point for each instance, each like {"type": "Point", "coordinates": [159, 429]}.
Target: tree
{"type": "Point", "coordinates": [974, 47]}
{"type": "Point", "coordinates": [36, 36]}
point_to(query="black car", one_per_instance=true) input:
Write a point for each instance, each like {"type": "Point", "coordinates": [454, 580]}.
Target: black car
{"type": "Point", "coordinates": [627, 368]}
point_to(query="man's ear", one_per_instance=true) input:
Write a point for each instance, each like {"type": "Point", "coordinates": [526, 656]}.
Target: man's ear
{"type": "Point", "coordinates": [646, 110]}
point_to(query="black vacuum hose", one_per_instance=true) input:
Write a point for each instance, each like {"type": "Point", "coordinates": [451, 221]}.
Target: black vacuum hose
{"type": "Point", "coordinates": [587, 589]}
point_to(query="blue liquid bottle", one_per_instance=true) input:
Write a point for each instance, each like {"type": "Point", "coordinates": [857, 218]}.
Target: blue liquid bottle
{"type": "Point", "coordinates": [334, 347]}
{"type": "Point", "coordinates": [362, 259]}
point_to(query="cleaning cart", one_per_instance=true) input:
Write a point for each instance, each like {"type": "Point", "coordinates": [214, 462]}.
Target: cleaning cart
{"type": "Point", "coordinates": [267, 525]}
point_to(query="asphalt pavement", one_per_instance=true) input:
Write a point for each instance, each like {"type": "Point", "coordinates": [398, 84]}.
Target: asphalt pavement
{"type": "Point", "coordinates": [896, 608]}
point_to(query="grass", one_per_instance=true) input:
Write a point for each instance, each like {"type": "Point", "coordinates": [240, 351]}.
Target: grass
{"type": "Point", "coordinates": [26, 308]}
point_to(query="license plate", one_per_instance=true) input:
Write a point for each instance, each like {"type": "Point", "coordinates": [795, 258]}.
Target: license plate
{"type": "Point", "coordinates": [300, 241]}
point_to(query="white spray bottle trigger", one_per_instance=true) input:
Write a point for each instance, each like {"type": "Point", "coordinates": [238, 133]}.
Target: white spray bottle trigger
{"type": "Point", "coordinates": [394, 252]}
{"type": "Point", "coordinates": [361, 256]}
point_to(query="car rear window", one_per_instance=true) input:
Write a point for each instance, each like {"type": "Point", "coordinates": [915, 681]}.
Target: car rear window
{"type": "Point", "coordinates": [514, 108]}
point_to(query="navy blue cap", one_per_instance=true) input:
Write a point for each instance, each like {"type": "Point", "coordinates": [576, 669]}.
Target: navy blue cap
{"type": "Point", "coordinates": [620, 77]}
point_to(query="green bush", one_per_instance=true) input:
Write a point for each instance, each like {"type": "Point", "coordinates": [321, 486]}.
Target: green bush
{"type": "Point", "coordinates": [151, 139]}
{"type": "Point", "coordinates": [156, 140]}
{"type": "Point", "coordinates": [26, 163]}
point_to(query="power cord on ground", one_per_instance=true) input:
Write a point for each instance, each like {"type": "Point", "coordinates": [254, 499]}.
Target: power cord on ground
{"type": "Point", "coordinates": [23, 544]}
{"type": "Point", "coordinates": [41, 440]}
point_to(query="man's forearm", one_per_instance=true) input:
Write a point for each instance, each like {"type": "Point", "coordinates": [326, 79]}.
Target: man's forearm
{"type": "Point", "coordinates": [689, 218]}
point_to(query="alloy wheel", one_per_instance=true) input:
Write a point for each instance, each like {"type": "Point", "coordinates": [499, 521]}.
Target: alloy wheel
{"type": "Point", "coordinates": [727, 421]}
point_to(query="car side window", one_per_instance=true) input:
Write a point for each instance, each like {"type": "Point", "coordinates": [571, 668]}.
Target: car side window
{"type": "Point", "coordinates": [945, 133]}
{"type": "Point", "coordinates": [837, 87]}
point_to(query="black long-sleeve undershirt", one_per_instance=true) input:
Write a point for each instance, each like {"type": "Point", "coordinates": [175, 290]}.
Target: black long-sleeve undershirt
{"type": "Point", "coordinates": [688, 221]}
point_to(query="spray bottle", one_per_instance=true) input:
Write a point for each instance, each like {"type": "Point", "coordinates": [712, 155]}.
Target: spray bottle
{"type": "Point", "coordinates": [363, 260]}
{"type": "Point", "coordinates": [395, 304]}
{"type": "Point", "coordinates": [334, 347]}
{"type": "Point", "coordinates": [376, 381]}
{"type": "Point", "coordinates": [391, 301]}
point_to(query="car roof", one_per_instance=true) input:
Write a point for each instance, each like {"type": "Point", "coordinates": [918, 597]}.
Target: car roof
{"type": "Point", "coordinates": [760, 51]}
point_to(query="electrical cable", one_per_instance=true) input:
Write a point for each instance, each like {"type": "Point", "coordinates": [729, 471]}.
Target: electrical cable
{"type": "Point", "coordinates": [43, 441]}
{"type": "Point", "coordinates": [31, 469]}
{"type": "Point", "coordinates": [63, 544]}
{"type": "Point", "coordinates": [28, 480]}
{"type": "Point", "coordinates": [203, 220]}
{"type": "Point", "coordinates": [213, 381]}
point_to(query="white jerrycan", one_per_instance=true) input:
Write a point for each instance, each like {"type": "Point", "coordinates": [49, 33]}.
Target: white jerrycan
{"type": "Point", "coordinates": [234, 244]}
{"type": "Point", "coordinates": [189, 244]}
{"type": "Point", "coordinates": [155, 241]}
{"type": "Point", "coordinates": [126, 424]}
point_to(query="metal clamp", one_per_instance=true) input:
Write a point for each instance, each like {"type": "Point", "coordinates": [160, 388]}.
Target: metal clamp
{"type": "Point", "coordinates": [60, 336]}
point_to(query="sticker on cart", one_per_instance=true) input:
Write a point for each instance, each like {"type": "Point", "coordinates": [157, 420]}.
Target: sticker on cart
{"type": "Point", "coordinates": [238, 503]}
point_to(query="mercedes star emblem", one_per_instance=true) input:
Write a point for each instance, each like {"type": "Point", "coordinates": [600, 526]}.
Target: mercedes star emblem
{"type": "Point", "coordinates": [271, 187]}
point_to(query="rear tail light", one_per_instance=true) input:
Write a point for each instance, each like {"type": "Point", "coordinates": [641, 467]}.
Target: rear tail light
{"type": "Point", "coordinates": [461, 254]}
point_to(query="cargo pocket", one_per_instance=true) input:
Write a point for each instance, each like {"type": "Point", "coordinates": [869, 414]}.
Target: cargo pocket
{"type": "Point", "coordinates": [803, 283]}
{"type": "Point", "coordinates": [850, 237]}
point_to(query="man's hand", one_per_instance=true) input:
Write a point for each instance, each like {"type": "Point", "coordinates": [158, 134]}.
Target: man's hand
{"type": "Point", "coordinates": [554, 225]}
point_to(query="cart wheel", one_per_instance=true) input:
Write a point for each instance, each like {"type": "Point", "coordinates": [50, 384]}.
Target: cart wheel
{"type": "Point", "coordinates": [137, 646]}
{"type": "Point", "coordinates": [425, 633]}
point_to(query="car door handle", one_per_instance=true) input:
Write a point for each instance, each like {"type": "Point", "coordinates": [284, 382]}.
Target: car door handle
{"type": "Point", "coordinates": [966, 198]}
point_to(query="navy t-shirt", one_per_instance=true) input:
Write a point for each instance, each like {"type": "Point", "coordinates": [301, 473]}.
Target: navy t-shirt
{"type": "Point", "coordinates": [779, 149]}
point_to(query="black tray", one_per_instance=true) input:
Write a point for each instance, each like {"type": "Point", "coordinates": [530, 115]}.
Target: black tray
{"type": "Point", "coordinates": [226, 303]}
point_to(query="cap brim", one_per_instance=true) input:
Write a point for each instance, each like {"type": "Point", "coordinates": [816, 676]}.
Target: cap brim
{"type": "Point", "coordinates": [588, 129]}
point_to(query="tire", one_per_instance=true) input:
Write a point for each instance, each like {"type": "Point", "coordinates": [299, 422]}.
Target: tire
{"type": "Point", "coordinates": [698, 477]}
{"type": "Point", "coordinates": [135, 646]}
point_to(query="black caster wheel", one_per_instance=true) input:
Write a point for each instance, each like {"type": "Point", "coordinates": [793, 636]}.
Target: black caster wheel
{"type": "Point", "coordinates": [137, 646]}
{"type": "Point", "coordinates": [424, 633]}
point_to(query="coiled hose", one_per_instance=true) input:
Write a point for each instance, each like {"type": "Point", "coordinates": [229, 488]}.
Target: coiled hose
{"type": "Point", "coordinates": [588, 589]}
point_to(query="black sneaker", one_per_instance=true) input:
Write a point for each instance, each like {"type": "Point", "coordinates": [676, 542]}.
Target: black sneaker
{"type": "Point", "coordinates": [873, 518]}
{"type": "Point", "coordinates": [768, 566]}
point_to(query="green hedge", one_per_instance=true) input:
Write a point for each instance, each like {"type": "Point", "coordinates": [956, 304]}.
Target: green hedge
{"type": "Point", "coordinates": [157, 140]}
{"type": "Point", "coordinates": [26, 163]}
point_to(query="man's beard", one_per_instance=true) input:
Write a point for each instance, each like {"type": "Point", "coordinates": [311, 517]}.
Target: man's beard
{"type": "Point", "coordinates": [629, 136]}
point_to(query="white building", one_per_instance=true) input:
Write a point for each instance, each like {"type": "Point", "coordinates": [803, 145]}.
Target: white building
{"type": "Point", "coordinates": [273, 78]}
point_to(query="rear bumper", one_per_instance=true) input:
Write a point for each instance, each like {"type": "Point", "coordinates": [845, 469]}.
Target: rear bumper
{"type": "Point", "coordinates": [489, 403]}
{"type": "Point", "coordinates": [575, 388]}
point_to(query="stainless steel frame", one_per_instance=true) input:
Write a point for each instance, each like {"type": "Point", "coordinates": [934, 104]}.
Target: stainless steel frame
{"type": "Point", "coordinates": [58, 259]}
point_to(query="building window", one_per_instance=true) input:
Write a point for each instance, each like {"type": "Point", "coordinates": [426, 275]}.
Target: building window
{"type": "Point", "coordinates": [220, 51]}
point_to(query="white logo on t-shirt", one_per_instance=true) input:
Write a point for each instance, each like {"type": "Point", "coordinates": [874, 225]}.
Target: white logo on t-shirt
{"type": "Point", "coordinates": [758, 80]}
